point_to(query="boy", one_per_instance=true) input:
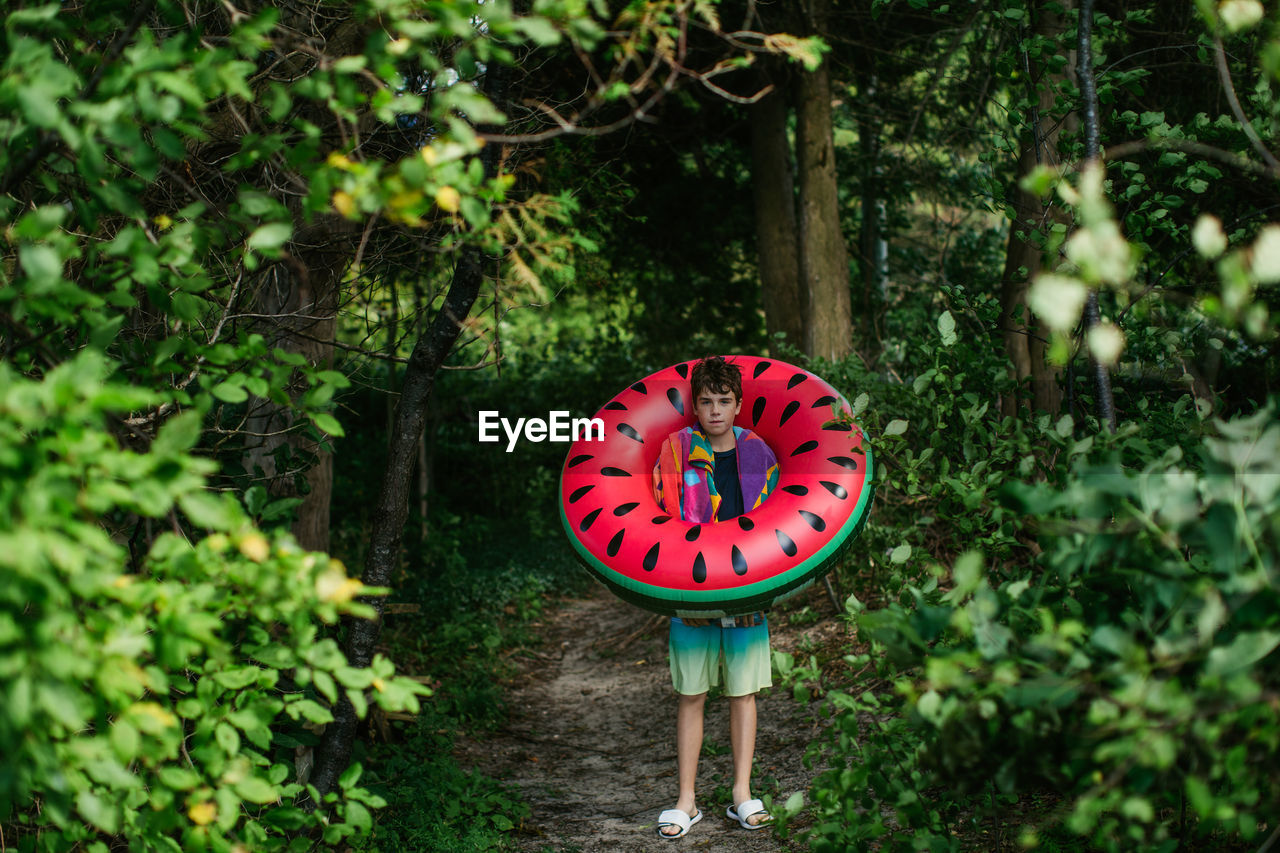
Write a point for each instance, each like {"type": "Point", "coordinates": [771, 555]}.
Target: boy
{"type": "Point", "coordinates": [715, 472]}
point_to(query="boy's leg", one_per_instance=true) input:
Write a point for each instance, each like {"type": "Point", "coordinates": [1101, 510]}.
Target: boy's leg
{"type": "Point", "coordinates": [688, 748]}
{"type": "Point", "coordinates": [748, 669]}
{"type": "Point", "coordinates": [742, 737]}
{"type": "Point", "coordinates": [694, 651]}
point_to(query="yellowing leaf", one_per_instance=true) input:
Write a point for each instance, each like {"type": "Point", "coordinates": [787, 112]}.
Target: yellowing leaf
{"type": "Point", "coordinates": [1208, 237]}
{"type": "Point", "coordinates": [1265, 263]}
{"type": "Point", "coordinates": [447, 198]}
{"type": "Point", "coordinates": [1240, 14]}
{"type": "Point", "coordinates": [254, 546]}
{"type": "Point", "coordinates": [1058, 300]}
{"type": "Point", "coordinates": [1106, 342]}
{"type": "Point", "coordinates": [202, 814]}
{"type": "Point", "coordinates": [334, 585]}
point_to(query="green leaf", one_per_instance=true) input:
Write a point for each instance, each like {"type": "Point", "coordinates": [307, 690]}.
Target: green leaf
{"type": "Point", "coordinates": [178, 434]}
{"type": "Point", "coordinates": [41, 263]}
{"type": "Point", "coordinates": [269, 237]}
{"type": "Point", "coordinates": [1246, 650]}
{"type": "Point", "coordinates": [324, 683]}
{"type": "Point", "coordinates": [313, 711]}
{"type": "Point", "coordinates": [538, 30]}
{"type": "Point", "coordinates": [255, 499]}
{"type": "Point", "coordinates": [359, 818]}
{"type": "Point", "coordinates": [897, 426]}
{"type": "Point", "coordinates": [39, 105]}
{"type": "Point", "coordinates": [178, 778]}
{"type": "Point", "coordinates": [209, 511]}
{"type": "Point", "coordinates": [230, 391]}
{"type": "Point", "coordinates": [255, 789]}
{"type": "Point", "coordinates": [228, 738]}
{"type": "Point", "coordinates": [328, 423]}
{"type": "Point", "coordinates": [350, 776]}
{"type": "Point", "coordinates": [98, 811]}
{"type": "Point", "coordinates": [104, 333]}
{"type": "Point", "coordinates": [350, 64]}
{"type": "Point", "coordinates": [900, 554]}
{"type": "Point", "coordinates": [947, 328]}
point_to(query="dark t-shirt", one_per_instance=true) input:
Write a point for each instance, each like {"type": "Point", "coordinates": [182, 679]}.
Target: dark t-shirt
{"type": "Point", "coordinates": [727, 485]}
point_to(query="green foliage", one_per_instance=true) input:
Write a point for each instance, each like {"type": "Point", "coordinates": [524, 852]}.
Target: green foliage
{"type": "Point", "coordinates": [436, 805]}
{"type": "Point", "coordinates": [1100, 660]}
{"type": "Point", "coordinates": [1128, 668]}
{"type": "Point", "coordinates": [157, 697]}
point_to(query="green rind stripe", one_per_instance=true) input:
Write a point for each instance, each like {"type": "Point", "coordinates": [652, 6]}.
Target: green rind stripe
{"type": "Point", "coordinates": [740, 599]}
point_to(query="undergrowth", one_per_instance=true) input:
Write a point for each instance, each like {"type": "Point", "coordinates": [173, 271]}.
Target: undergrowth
{"type": "Point", "coordinates": [480, 595]}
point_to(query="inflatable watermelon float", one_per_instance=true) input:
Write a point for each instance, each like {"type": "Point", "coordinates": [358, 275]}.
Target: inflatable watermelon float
{"type": "Point", "coordinates": [681, 568]}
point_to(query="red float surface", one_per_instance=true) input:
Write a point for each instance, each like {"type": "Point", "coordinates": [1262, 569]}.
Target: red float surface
{"type": "Point", "coordinates": [672, 566]}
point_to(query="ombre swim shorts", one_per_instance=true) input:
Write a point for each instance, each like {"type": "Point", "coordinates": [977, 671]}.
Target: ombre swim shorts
{"type": "Point", "coordinates": [700, 652]}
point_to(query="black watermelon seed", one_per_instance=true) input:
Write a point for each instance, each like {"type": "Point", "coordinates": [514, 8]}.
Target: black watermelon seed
{"type": "Point", "coordinates": [579, 459]}
{"type": "Point", "coordinates": [577, 493]}
{"type": "Point", "coordinates": [795, 380]}
{"type": "Point", "coordinates": [804, 448]}
{"type": "Point", "coordinates": [615, 406]}
{"type": "Point", "coordinates": [624, 509]}
{"type": "Point", "coordinates": [761, 368]}
{"type": "Point", "coordinates": [674, 396]}
{"type": "Point", "coordinates": [826, 400]}
{"type": "Point", "coordinates": [591, 517]}
{"type": "Point", "coordinates": [683, 370]}
{"type": "Point", "coordinates": [814, 521]}
{"type": "Point", "coordinates": [757, 409]}
{"type": "Point", "coordinates": [788, 547]}
{"type": "Point", "coordinates": [739, 562]}
{"type": "Point", "coordinates": [699, 569]}
{"type": "Point", "coordinates": [837, 426]}
{"type": "Point", "coordinates": [692, 533]}
{"type": "Point", "coordinates": [639, 386]}
{"type": "Point", "coordinates": [615, 543]}
{"type": "Point", "coordinates": [790, 410]}
{"type": "Point", "coordinates": [610, 471]}
{"type": "Point", "coordinates": [795, 490]}
{"type": "Point", "coordinates": [650, 558]}
{"type": "Point", "coordinates": [844, 462]}
{"type": "Point", "coordinates": [835, 489]}
{"type": "Point", "coordinates": [630, 432]}
{"type": "Point", "coordinates": [660, 519]}
{"type": "Point", "coordinates": [745, 523]}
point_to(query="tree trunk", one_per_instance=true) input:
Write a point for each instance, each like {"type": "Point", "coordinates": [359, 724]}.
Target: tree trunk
{"type": "Point", "coordinates": [1093, 158]}
{"type": "Point", "coordinates": [334, 751]}
{"type": "Point", "coordinates": [775, 209]}
{"type": "Point", "coordinates": [1024, 343]}
{"type": "Point", "coordinates": [872, 242]}
{"type": "Point", "coordinates": [824, 268]}
{"type": "Point", "coordinates": [300, 295]}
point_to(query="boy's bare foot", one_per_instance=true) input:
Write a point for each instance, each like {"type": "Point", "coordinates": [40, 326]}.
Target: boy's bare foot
{"type": "Point", "coordinates": [750, 815]}
{"type": "Point", "coordinates": [675, 823]}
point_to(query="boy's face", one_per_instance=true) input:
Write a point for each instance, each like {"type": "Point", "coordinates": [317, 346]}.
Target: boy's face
{"type": "Point", "coordinates": [716, 411]}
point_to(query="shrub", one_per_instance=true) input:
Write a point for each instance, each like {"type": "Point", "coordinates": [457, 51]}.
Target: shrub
{"type": "Point", "coordinates": [1130, 668]}
{"type": "Point", "coordinates": [157, 698]}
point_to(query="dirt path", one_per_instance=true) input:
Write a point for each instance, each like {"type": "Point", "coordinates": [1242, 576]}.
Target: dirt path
{"type": "Point", "coordinates": [590, 742]}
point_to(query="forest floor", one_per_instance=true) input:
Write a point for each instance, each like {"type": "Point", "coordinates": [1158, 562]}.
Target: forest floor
{"type": "Point", "coordinates": [590, 739]}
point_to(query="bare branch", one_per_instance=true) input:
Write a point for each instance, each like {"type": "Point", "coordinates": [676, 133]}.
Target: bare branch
{"type": "Point", "coordinates": [1224, 74]}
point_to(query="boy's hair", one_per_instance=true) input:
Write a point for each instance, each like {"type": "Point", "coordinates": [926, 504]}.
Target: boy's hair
{"type": "Point", "coordinates": [715, 375]}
